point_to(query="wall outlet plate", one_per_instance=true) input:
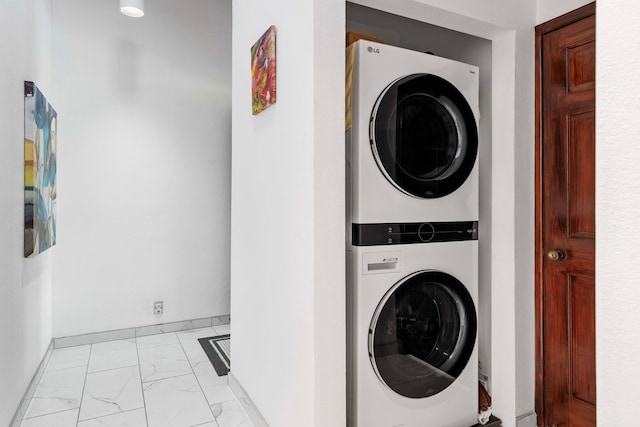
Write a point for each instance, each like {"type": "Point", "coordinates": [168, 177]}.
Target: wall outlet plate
{"type": "Point", "coordinates": [158, 307]}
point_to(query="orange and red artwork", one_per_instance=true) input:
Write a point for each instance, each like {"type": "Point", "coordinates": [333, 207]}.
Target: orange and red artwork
{"type": "Point", "coordinates": [263, 71]}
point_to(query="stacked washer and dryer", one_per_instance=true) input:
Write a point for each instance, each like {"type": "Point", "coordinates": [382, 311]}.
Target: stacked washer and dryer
{"type": "Point", "coordinates": [412, 252]}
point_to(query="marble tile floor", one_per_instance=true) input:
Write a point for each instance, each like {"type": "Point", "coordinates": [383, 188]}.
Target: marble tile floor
{"type": "Point", "coordinates": [163, 380]}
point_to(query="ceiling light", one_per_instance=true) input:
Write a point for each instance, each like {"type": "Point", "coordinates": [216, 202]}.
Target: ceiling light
{"type": "Point", "coordinates": [133, 8]}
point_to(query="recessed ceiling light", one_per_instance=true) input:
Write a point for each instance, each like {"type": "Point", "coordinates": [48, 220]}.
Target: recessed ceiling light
{"type": "Point", "coordinates": [133, 8]}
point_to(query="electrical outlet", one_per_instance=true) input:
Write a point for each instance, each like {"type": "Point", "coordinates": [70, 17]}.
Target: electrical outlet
{"type": "Point", "coordinates": [158, 307]}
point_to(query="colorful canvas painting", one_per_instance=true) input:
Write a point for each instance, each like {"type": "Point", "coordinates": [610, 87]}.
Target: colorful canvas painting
{"type": "Point", "coordinates": [40, 147]}
{"type": "Point", "coordinates": [263, 71]}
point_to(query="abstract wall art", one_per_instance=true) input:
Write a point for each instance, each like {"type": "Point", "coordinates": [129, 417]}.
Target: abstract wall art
{"type": "Point", "coordinates": [263, 71]}
{"type": "Point", "coordinates": [40, 164]}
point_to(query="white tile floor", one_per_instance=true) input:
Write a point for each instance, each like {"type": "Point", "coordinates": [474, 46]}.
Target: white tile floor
{"type": "Point", "coordinates": [163, 380]}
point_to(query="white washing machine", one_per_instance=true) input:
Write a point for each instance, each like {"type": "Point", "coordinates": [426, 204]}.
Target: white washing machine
{"type": "Point", "coordinates": [412, 147]}
{"type": "Point", "coordinates": [412, 329]}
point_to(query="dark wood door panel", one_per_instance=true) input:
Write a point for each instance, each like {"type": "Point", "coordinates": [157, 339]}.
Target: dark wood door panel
{"type": "Point", "coordinates": [580, 415]}
{"type": "Point", "coordinates": [582, 346]}
{"type": "Point", "coordinates": [565, 221]}
{"type": "Point", "coordinates": [582, 73]}
{"type": "Point", "coordinates": [581, 180]}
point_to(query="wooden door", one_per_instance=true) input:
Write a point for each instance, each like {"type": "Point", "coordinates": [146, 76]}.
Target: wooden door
{"type": "Point", "coordinates": [565, 220]}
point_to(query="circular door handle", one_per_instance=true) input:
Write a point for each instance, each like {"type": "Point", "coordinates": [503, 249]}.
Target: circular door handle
{"type": "Point", "coordinates": [557, 255]}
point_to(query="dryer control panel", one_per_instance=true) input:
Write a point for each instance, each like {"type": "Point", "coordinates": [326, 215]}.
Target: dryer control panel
{"type": "Point", "coordinates": [413, 232]}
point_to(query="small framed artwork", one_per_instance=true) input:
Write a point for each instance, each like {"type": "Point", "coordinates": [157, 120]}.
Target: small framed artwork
{"type": "Point", "coordinates": [263, 71]}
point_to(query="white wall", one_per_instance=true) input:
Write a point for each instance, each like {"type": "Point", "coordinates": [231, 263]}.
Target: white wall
{"type": "Point", "coordinates": [25, 284]}
{"type": "Point", "coordinates": [287, 248]}
{"type": "Point", "coordinates": [617, 207]}
{"type": "Point", "coordinates": [144, 170]}
{"type": "Point", "coordinates": [549, 9]}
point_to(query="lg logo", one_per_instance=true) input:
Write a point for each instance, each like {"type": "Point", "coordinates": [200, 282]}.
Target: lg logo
{"type": "Point", "coordinates": [373, 50]}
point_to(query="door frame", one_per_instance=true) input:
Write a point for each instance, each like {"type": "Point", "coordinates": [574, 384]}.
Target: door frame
{"type": "Point", "coordinates": [540, 31]}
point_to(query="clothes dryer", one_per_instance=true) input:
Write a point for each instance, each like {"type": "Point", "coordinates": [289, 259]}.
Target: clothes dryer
{"type": "Point", "coordinates": [412, 147]}
{"type": "Point", "coordinates": [412, 327]}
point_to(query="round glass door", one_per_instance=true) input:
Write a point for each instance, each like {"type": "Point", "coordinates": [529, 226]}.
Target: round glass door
{"type": "Point", "coordinates": [423, 334]}
{"type": "Point", "coordinates": [424, 136]}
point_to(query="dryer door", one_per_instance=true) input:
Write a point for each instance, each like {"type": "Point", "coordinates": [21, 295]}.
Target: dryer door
{"type": "Point", "coordinates": [423, 334]}
{"type": "Point", "coordinates": [424, 136]}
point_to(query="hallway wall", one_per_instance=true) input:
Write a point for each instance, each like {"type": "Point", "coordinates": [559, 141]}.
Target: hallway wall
{"type": "Point", "coordinates": [287, 251]}
{"type": "Point", "coordinates": [617, 207]}
{"type": "Point", "coordinates": [145, 159]}
{"type": "Point", "coordinates": [25, 284]}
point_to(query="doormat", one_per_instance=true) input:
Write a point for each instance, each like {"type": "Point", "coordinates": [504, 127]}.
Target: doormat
{"type": "Point", "coordinates": [218, 350]}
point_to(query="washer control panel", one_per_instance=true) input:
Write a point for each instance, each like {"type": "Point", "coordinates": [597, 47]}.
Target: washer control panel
{"type": "Point", "coordinates": [413, 232]}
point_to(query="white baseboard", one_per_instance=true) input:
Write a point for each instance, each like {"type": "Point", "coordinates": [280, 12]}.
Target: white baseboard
{"type": "Point", "coordinates": [28, 394]}
{"type": "Point", "coordinates": [247, 404]}
{"type": "Point", "coordinates": [527, 420]}
{"type": "Point", "coordinates": [141, 331]}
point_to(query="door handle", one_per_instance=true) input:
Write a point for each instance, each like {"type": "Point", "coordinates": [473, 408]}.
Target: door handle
{"type": "Point", "coordinates": [557, 255]}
